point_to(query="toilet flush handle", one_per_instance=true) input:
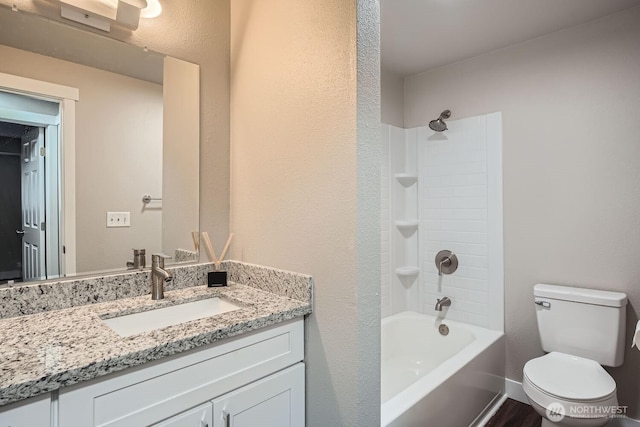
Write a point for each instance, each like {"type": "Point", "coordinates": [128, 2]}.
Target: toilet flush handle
{"type": "Point", "coordinates": [545, 304]}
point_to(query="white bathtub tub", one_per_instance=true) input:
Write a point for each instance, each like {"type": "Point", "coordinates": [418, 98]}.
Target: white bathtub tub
{"type": "Point", "coordinates": [434, 380]}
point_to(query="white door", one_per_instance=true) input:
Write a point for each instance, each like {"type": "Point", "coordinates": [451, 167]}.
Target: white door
{"type": "Point", "coordinates": [274, 401]}
{"type": "Point", "coordinates": [33, 256]}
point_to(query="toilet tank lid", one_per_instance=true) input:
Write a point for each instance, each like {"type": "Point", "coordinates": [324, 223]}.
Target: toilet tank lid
{"type": "Point", "coordinates": [589, 296]}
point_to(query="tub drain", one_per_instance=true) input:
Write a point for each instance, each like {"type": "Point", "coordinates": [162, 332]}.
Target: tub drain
{"type": "Point", "coordinates": [443, 329]}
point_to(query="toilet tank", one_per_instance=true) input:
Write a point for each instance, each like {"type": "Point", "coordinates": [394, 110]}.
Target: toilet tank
{"type": "Point", "coordinates": [582, 322]}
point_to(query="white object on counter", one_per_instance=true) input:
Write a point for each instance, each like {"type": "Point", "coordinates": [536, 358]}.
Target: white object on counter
{"type": "Point", "coordinates": [636, 336]}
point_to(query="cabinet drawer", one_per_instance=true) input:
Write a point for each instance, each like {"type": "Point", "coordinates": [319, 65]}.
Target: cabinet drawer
{"type": "Point", "coordinates": [150, 394]}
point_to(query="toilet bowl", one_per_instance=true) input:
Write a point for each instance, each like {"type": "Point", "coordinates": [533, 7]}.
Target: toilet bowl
{"type": "Point", "coordinates": [581, 330]}
{"type": "Point", "coordinates": [580, 391]}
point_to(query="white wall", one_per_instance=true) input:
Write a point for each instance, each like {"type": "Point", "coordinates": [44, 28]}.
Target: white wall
{"type": "Point", "coordinates": [118, 122]}
{"type": "Point", "coordinates": [392, 98]}
{"type": "Point", "coordinates": [305, 182]}
{"type": "Point", "coordinates": [570, 104]}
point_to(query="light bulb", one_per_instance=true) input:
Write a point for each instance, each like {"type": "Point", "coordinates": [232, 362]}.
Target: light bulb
{"type": "Point", "coordinates": [153, 9]}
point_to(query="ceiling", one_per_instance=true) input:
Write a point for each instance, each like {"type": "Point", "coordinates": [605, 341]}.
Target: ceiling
{"type": "Point", "coordinates": [417, 35]}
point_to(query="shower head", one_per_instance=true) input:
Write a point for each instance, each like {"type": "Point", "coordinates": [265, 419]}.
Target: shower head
{"type": "Point", "coordinates": [439, 124]}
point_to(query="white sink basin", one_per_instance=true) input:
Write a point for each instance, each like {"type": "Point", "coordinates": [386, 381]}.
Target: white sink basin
{"type": "Point", "coordinates": [132, 324]}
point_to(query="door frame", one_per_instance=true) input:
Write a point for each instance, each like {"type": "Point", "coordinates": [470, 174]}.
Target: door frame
{"type": "Point", "coordinates": [67, 97]}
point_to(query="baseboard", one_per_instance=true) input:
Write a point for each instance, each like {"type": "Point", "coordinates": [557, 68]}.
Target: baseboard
{"type": "Point", "coordinates": [489, 411]}
{"type": "Point", "coordinates": [513, 390]}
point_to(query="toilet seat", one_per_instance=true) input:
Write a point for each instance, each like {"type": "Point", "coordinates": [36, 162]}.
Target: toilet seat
{"type": "Point", "coordinates": [544, 399]}
{"type": "Point", "coordinates": [570, 378]}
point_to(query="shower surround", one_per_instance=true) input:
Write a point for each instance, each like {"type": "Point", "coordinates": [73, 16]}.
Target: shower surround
{"type": "Point", "coordinates": [443, 190]}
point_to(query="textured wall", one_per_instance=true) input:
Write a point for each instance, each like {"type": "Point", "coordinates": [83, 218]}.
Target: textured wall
{"type": "Point", "coordinates": [198, 32]}
{"type": "Point", "coordinates": [298, 200]}
{"type": "Point", "coordinates": [385, 219]}
{"type": "Point", "coordinates": [368, 212]}
{"type": "Point", "coordinates": [570, 104]}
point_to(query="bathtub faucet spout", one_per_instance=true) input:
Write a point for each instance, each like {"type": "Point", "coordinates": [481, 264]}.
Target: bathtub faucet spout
{"type": "Point", "coordinates": [443, 302]}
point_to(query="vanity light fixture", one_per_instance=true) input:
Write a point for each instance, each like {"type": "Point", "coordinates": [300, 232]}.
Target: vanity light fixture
{"type": "Point", "coordinates": [101, 14]}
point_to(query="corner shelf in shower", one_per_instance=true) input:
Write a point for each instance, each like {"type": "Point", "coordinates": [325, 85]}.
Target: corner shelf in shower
{"type": "Point", "coordinates": [405, 179]}
{"type": "Point", "coordinates": [407, 272]}
{"type": "Point", "coordinates": [407, 227]}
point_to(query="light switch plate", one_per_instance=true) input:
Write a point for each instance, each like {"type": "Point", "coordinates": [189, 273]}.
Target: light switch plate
{"type": "Point", "coordinates": [118, 219]}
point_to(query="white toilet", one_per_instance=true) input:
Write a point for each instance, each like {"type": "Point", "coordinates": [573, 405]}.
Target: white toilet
{"type": "Point", "coordinates": [581, 329]}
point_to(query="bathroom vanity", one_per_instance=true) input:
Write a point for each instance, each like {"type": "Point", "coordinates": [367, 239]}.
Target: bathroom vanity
{"type": "Point", "coordinates": [242, 367]}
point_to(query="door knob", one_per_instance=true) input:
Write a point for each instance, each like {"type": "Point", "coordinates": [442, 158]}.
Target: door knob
{"type": "Point", "coordinates": [20, 232]}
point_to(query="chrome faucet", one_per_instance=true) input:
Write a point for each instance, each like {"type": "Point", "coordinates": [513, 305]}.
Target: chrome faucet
{"type": "Point", "coordinates": [158, 276]}
{"type": "Point", "coordinates": [443, 302]}
{"type": "Point", "coordinates": [139, 260]}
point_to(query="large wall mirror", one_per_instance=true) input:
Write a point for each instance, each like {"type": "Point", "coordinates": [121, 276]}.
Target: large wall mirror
{"type": "Point", "coordinates": [99, 144]}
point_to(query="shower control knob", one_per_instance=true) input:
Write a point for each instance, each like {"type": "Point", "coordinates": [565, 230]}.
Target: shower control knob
{"type": "Point", "coordinates": [446, 262]}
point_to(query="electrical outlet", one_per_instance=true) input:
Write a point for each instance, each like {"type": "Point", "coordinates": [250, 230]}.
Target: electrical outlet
{"type": "Point", "coordinates": [118, 219]}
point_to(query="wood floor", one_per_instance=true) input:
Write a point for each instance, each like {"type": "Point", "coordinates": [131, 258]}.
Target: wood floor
{"type": "Point", "coordinates": [515, 414]}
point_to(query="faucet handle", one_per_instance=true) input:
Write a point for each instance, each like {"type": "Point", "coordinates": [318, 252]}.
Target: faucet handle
{"type": "Point", "coordinates": [159, 259]}
{"type": "Point", "coordinates": [446, 262]}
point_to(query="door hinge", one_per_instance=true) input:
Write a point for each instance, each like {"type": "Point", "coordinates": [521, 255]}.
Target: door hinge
{"type": "Point", "coordinates": [43, 226]}
{"type": "Point", "coordinates": [43, 152]}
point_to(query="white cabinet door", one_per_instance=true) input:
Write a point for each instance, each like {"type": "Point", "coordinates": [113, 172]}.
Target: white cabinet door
{"type": "Point", "coordinates": [27, 413]}
{"type": "Point", "coordinates": [274, 401]}
{"type": "Point", "coordinates": [197, 417]}
{"type": "Point", "coordinates": [150, 393]}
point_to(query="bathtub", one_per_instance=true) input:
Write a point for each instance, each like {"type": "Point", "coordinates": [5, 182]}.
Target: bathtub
{"type": "Point", "coordinates": [433, 380]}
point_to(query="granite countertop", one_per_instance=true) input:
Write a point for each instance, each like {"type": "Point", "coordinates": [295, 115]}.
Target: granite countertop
{"type": "Point", "coordinates": [42, 352]}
